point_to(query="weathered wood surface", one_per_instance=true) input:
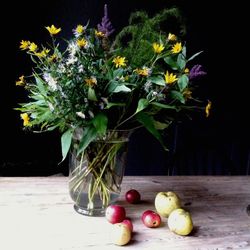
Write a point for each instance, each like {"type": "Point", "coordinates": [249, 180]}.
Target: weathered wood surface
{"type": "Point", "coordinates": [37, 214]}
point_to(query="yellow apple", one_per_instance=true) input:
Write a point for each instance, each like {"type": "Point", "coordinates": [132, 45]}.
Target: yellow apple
{"type": "Point", "coordinates": [180, 222]}
{"type": "Point", "coordinates": [120, 234]}
{"type": "Point", "coordinates": [166, 202]}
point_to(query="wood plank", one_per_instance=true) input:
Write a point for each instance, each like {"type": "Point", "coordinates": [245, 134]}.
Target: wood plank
{"type": "Point", "coordinates": [37, 213]}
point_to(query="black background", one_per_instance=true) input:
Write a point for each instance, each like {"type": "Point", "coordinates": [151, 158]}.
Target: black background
{"type": "Point", "coordinates": [217, 145]}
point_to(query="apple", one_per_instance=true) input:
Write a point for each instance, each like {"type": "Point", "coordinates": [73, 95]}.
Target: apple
{"type": "Point", "coordinates": [146, 213]}
{"type": "Point", "coordinates": [120, 234]}
{"type": "Point", "coordinates": [128, 223]}
{"type": "Point", "coordinates": [151, 219]}
{"type": "Point", "coordinates": [115, 213]}
{"type": "Point", "coordinates": [166, 202]}
{"type": "Point", "coordinates": [133, 196]}
{"type": "Point", "coordinates": [180, 222]}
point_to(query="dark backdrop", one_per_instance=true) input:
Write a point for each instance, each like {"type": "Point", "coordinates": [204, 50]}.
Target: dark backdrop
{"type": "Point", "coordinates": [217, 145]}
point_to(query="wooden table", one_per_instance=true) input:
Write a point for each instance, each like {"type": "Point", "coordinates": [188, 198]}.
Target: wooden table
{"type": "Point", "coordinates": [37, 214]}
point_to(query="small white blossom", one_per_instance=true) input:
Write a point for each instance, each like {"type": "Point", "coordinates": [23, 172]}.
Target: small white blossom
{"type": "Point", "coordinates": [72, 49]}
{"type": "Point", "coordinates": [51, 107]}
{"type": "Point", "coordinates": [80, 114]}
{"type": "Point", "coordinates": [61, 68]}
{"type": "Point", "coordinates": [71, 60]}
{"type": "Point", "coordinates": [80, 68]}
{"type": "Point", "coordinates": [50, 80]}
{"type": "Point", "coordinates": [147, 86]}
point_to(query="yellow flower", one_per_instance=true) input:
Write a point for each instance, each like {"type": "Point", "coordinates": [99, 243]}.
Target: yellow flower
{"type": "Point", "coordinates": [186, 71]}
{"type": "Point", "coordinates": [170, 78]}
{"type": "Point", "coordinates": [26, 119]}
{"type": "Point", "coordinates": [91, 81]}
{"type": "Point", "coordinates": [187, 94]}
{"type": "Point", "coordinates": [158, 48]}
{"type": "Point", "coordinates": [208, 108]}
{"type": "Point", "coordinates": [43, 53]}
{"type": "Point", "coordinates": [119, 61]}
{"type": "Point", "coordinates": [52, 58]}
{"type": "Point", "coordinates": [53, 30]}
{"type": "Point", "coordinates": [143, 72]}
{"type": "Point", "coordinates": [176, 48]}
{"type": "Point", "coordinates": [171, 37]}
{"type": "Point", "coordinates": [82, 43]}
{"type": "Point", "coordinates": [33, 47]}
{"type": "Point", "coordinates": [24, 45]}
{"type": "Point", "coordinates": [99, 33]}
{"type": "Point", "coordinates": [79, 29]}
{"type": "Point", "coordinates": [21, 81]}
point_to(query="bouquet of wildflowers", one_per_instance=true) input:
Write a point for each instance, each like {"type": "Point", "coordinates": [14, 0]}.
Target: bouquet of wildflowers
{"type": "Point", "coordinates": [93, 85]}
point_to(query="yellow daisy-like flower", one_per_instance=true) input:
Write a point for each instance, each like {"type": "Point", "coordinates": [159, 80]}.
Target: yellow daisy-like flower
{"type": "Point", "coordinates": [43, 53]}
{"type": "Point", "coordinates": [171, 37]}
{"type": "Point", "coordinates": [119, 61]}
{"type": "Point", "coordinates": [186, 71]}
{"type": "Point", "coordinates": [99, 33]}
{"type": "Point", "coordinates": [33, 47]}
{"type": "Point", "coordinates": [21, 81]}
{"type": "Point", "coordinates": [24, 45]}
{"type": "Point", "coordinates": [52, 58]}
{"type": "Point", "coordinates": [26, 119]}
{"type": "Point", "coordinates": [208, 108]}
{"type": "Point", "coordinates": [143, 72]}
{"type": "Point", "coordinates": [176, 48]}
{"type": "Point", "coordinates": [53, 30]}
{"type": "Point", "coordinates": [91, 82]}
{"type": "Point", "coordinates": [158, 48]}
{"type": "Point", "coordinates": [79, 29]}
{"type": "Point", "coordinates": [170, 78]}
{"type": "Point", "coordinates": [82, 43]}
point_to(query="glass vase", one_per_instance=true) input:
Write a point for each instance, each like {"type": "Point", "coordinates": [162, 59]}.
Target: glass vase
{"type": "Point", "coordinates": [95, 175]}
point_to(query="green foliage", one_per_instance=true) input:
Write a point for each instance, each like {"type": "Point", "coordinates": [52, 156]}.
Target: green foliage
{"type": "Point", "coordinates": [136, 39]}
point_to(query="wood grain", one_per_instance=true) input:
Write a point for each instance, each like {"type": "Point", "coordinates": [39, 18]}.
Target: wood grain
{"type": "Point", "coordinates": [37, 214]}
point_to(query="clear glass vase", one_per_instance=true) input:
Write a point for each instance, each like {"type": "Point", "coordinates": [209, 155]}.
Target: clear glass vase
{"type": "Point", "coordinates": [95, 176]}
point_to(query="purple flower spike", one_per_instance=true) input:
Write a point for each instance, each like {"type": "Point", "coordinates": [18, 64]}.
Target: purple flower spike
{"type": "Point", "coordinates": [105, 26]}
{"type": "Point", "coordinates": [196, 72]}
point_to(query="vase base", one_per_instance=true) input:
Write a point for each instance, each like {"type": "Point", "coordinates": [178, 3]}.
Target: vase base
{"type": "Point", "coordinates": [90, 212]}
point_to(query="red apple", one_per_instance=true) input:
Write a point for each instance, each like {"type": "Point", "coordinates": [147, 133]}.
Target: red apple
{"type": "Point", "coordinates": [151, 219]}
{"type": "Point", "coordinates": [133, 196]}
{"type": "Point", "coordinates": [115, 213]}
{"type": "Point", "coordinates": [146, 213]}
{"type": "Point", "coordinates": [128, 223]}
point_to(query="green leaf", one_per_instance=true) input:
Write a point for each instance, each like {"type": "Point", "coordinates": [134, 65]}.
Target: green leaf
{"type": "Point", "coordinates": [40, 85]}
{"type": "Point", "coordinates": [112, 85]}
{"type": "Point", "coordinates": [118, 73]}
{"type": "Point", "coordinates": [181, 61]}
{"type": "Point", "coordinates": [193, 56]}
{"type": "Point", "coordinates": [171, 62]}
{"type": "Point", "coordinates": [91, 94]}
{"type": "Point", "coordinates": [100, 122]}
{"type": "Point", "coordinates": [160, 125]}
{"type": "Point", "coordinates": [149, 123]}
{"type": "Point", "coordinates": [89, 135]}
{"type": "Point", "coordinates": [142, 104]}
{"type": "Point", "coordinates": [184, 51]}
{"type": "Point", "coordinates": [161, 105]}
{"type": "Point", "coordinates": [183, 82]}
{"type": "Point", "coordinates": [178, 96]}
{"type": "Point", "coordinates": [112, 104]}
{"type": "Point", "coordinates": [157, 80]}
{"type": "Point", "coordinates": [121, 88]}
{"type": "Point", "coordinates": [66, 142]}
